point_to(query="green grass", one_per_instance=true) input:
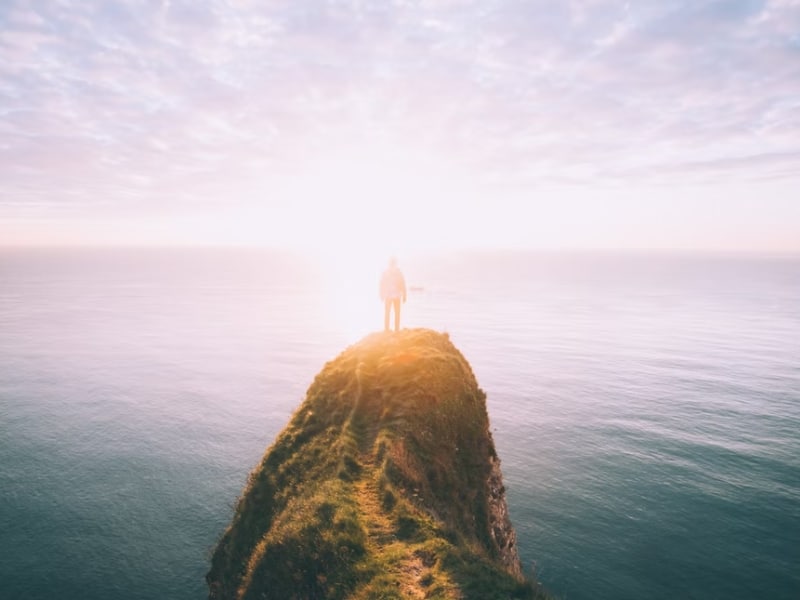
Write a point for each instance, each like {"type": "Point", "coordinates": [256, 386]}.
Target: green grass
{"type": "Point", "coordinates": [377, 488]}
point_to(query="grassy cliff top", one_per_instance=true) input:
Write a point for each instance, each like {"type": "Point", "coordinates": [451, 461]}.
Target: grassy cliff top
{"type": "Point", "coordinates": [385, 484]}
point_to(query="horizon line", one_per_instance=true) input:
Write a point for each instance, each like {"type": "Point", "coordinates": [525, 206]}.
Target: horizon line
{"type": "Point", "coordinates": [310, 252]}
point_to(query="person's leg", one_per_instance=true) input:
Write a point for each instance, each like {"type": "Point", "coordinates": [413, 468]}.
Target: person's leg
{"type": "Point", "coordinates": [387, 305]}
{"type": "Point", "coordinates": [397, 304]}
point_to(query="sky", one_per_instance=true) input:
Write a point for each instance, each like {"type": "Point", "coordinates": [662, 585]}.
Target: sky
{"type": "Point", "coordinates": [402, 125]}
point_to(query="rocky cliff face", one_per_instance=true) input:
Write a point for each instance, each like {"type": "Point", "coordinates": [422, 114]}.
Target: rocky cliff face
{"type": "Point", "coordinates": [385, 484]}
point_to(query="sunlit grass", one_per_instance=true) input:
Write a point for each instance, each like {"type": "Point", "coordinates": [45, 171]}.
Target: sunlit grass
{"type": "Point", "coordinates": [379, 487]}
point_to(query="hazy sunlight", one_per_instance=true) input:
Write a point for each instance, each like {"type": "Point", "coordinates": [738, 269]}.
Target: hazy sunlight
{"type": "Point", "coordinates": [349, 290]}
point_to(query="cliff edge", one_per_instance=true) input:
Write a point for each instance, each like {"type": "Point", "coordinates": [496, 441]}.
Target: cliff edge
{"type": "Point", "coordinates": [384, 484]}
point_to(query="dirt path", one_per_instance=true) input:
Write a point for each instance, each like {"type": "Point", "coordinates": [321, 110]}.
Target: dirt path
{"type": "Point", "coordinates": [403, 564]}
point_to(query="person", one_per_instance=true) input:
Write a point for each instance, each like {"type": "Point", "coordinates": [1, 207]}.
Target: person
{"type": "Point", "coordinates": [393, 289]}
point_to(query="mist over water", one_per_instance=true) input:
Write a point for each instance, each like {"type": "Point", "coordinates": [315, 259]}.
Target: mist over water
{"type": "Point", "coordinates": [646, 409]}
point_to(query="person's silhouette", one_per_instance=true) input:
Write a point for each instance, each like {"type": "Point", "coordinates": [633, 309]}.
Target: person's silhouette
{"type": "Point", "coordinates": [393, 289]}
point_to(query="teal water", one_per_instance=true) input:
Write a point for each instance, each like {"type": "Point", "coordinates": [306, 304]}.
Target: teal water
{"type": "Point", "coordinates": [646, 410]}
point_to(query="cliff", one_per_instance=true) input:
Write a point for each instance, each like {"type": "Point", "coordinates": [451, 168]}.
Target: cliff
{"type": "Point", "coordinates": [385, 484]}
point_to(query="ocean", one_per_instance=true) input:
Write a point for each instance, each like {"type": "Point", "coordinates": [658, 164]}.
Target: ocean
{"type": "Point", "coordinates": [646, 408]}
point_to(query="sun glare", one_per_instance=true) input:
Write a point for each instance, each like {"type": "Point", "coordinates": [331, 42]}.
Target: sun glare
{"type": "Point", "coordinates": [378, 199]}
{"type": "Point", "coordinates": [361, 207]}
{"type": "Point", "coordinates": [349, 288]}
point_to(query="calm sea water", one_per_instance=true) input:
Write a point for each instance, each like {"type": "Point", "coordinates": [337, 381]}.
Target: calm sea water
{"type": "Point", "coordinates": [646, 410]}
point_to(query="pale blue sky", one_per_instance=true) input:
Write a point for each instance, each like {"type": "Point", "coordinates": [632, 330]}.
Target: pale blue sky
{"type": "Point", "coordinates": [411, 125]}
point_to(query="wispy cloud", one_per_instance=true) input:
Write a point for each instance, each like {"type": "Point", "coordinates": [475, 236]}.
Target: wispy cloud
{"type": "Point", "coordinates": [152, 105]}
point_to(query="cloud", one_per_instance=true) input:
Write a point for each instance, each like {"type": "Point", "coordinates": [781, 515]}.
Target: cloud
{"type": "Point", "coordinates": [154, 106]}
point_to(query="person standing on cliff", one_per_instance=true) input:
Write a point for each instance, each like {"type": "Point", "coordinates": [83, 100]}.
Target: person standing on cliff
{"type": "Point", "coordinates": [393, 289]}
